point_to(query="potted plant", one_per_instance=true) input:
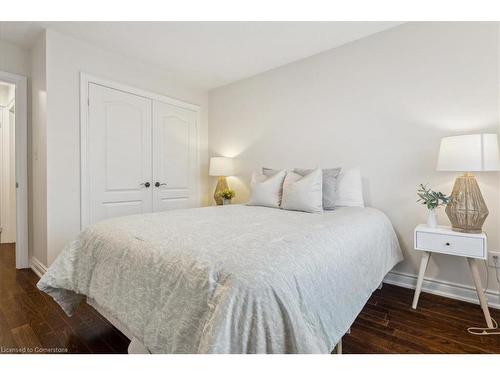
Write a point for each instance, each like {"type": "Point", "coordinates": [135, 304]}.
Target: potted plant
{"type": "Point", "coordinates": [432, 200]}
{"type": "Point", "coordinates": [226, 195]}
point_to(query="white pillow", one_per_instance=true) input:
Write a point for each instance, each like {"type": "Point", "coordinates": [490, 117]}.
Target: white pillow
{"type": "Point", "coordinates": [349, 188]}
{"type": "Point", "coordinates": [266, 190]}
{"type": "Point", "coordinates": [303, 193]}
{"type": "Point", "coordinates": [329, 183]}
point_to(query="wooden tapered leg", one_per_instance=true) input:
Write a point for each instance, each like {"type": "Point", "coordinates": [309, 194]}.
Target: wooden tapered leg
{"type": "Point", "coordinates": [421, 272]}
{"type": "Point", "coordinates": [338, 348]}
{"type": "Point", "coordinates": [479, 289]}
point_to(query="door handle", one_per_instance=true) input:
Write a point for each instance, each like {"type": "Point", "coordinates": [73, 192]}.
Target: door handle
{"type": "Point", "coordinates": [146, 184]}
{"type": "Point", "coordinates": [157, 184]}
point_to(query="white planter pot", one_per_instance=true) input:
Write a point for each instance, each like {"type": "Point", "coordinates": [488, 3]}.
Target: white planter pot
{"type": "Point", "coordinates": [226, 201]}
{"type": "Point", "coordinates": [432, 218]}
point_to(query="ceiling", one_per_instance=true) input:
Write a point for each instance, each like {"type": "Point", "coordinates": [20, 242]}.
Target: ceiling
{"type": "Point", "coordinates": [205, 54]}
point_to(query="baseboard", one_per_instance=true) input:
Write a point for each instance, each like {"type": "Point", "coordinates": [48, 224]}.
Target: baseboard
{"type": "Point", "coordinates": [442, 288]}
{"type": "Point", "coordinates": [38, 267]}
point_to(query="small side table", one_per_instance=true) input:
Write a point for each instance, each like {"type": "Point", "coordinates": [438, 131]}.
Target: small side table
{"type": "Point", "coordinates": [445, 241]}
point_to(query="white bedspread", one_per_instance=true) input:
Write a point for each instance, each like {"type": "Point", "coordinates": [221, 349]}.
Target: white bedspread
{"type": "Point", "coordinates": [230, 279]}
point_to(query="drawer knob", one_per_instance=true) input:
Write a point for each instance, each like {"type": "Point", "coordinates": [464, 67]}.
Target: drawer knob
{"type": "Point", "coordinates": [447, 244]}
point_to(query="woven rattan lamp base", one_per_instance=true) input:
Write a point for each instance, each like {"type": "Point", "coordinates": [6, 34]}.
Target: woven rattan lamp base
{"type": "Point", "coordinates": [466, 209]}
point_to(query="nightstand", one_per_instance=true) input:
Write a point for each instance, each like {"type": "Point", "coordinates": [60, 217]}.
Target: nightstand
{"type": "Point", "coordinates": [443, 240]}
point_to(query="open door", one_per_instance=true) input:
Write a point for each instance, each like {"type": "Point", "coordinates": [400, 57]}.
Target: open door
{"type": "Point", "coordinates": [15, 121]}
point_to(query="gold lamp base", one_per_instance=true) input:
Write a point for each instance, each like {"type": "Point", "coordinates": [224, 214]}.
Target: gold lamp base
{"type": "Point", "coordinates": [221, 185]}
{"type": "Point", "coordinates": [466, 209]}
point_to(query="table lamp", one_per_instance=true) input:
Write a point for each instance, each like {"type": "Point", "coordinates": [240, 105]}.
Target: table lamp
{"type": "Point", "coordinates": [220, 167]}
{"type": "Point", "coordinates": [468, 153]}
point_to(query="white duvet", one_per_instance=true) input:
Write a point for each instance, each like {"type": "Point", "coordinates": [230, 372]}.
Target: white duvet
{"type": "Point", "coordinates": [230, 279]}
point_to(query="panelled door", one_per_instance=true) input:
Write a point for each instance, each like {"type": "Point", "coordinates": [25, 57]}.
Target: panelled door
{"type": "Point", "coordinates": [141, 155]}
{"type": "Point", "coordinates": [119, 149]}
{"type": "Point", "coordinates": [174, 157]}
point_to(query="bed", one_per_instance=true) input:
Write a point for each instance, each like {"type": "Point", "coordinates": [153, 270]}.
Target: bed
{"type": "Point", "coordinates": [228, 279]}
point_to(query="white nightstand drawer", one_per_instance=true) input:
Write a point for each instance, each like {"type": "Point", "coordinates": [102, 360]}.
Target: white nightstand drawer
{"type": "Point", "coordinates": [450, 244]}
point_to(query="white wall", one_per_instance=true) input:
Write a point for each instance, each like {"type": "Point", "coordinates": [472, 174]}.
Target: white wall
{"type": "Point", "coordinates": [38, 156]}
{"type": "Point", "coordinates": [382, 103]}
{"type": "Point", "coordinates": [66, 58]}
{"type": "Point", "coordinates": [14, 59]}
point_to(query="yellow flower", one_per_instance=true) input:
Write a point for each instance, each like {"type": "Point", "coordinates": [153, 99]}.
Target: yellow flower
{"type": "Point", "coordinates": [226, 194]}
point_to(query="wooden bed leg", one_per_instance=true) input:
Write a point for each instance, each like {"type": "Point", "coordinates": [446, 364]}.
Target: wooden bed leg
{"type": "Point", "coordinates": [338, 347]}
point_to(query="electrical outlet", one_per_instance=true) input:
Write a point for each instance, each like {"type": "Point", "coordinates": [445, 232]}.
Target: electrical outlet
{"type": "Point", "coordinates": [491, 259]}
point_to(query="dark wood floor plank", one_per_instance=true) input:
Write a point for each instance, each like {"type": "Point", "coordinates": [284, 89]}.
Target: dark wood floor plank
{"type": "Point", "coordinates": [25, 337]}
{"type": "Point", "coordinates": [408, 329]}
{"type": "Point", "coordinates": [13, 313]}
{"type": "Point", "coordinates": [441, 306]}
{"type": "Point", "coordinates": [6, 339]}
{"type": "Point", "coordinates": [442, 331]}
{"type": "Point", "coordinates": [354, 345]}
{"type": "Point", "coordinates": [454, 329]}
{"type": "Point", "coordinates": [399, 343]}
{"type": "Point", "coordinates": [436, 344]}
{"type": "Point", "coordinates": [387, 324]}
{"type": "Point", "coordinates": [30, 318]}
{"type": "Point", "coordinates": [379, 342]}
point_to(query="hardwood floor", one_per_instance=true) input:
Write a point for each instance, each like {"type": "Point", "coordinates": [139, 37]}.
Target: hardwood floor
{"type": "Point", "coordinates": [388, 324]}
{"type": "Point", "coordinates": [29, 319]}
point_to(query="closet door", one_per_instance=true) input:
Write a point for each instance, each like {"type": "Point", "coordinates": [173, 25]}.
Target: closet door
{"type": "Point", "coordinates": [119, 168]}
{"type": "Point", "coordinates": [174, 157]}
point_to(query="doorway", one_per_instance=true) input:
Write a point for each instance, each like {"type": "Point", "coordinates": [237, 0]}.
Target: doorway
{"type": "Point", "coordinates": [13, 167]}
{"type": "Point", "coordinates": [7, 164]}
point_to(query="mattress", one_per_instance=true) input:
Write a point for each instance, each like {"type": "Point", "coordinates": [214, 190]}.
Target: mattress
{"type": "Point", "coordinates": [229, 279]}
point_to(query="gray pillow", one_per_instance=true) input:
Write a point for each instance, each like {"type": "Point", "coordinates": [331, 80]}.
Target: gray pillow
{"type": "Point", "coordinates": [329, 183]}
{"type": "Point", "coordinates": [269, 171]}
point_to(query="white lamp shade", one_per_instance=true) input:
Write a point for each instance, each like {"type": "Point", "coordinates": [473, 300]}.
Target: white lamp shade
{"type": "Point", "coordinates": [221, 166]}
{"type": "Point", "coordinates": [469, 153]}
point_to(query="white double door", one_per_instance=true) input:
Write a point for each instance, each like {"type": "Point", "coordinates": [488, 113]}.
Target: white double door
{"type": "Point", "coordinates": [141, 154]}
